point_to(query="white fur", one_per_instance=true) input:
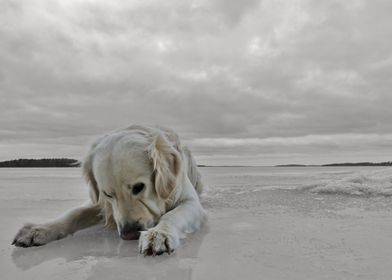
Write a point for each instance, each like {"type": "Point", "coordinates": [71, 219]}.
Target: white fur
{"type": "Point", "coordinates": [167, 208]}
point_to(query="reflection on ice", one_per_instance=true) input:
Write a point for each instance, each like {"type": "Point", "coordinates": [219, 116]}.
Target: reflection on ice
{"type": "Point", "coordinates": [95, 242]}
{"type": "Point", "coordinates": [100, 246]}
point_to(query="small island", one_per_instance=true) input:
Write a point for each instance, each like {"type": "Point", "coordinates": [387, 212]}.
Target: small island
{"type": "Point", "coordinates": [42, 162]}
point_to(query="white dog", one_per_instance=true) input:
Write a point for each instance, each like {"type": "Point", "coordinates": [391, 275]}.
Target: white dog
{"type": "Point", "coordinates": [142, 181]}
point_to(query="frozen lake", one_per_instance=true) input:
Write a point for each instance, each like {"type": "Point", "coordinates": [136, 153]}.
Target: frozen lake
{"type": "Point", "coordinates": [264, 223]}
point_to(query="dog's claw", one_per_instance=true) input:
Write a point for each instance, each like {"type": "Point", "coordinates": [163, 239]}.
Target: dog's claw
{"type": "Point", "coordinates": [155, 242]}
{"type": "Point", "coordinates": [148, 252]}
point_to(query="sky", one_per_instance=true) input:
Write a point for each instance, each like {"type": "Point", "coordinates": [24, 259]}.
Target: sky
{"type": "Point", "coordinates": [242, 82]}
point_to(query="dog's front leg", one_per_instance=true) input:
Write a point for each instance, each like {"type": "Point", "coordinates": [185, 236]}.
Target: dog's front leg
{"type": "Point", "coordinates": [165, 236]}
{"type": "Point", "coordinates": [72, 221]}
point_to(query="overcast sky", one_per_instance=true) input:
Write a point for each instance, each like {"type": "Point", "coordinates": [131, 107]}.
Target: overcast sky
{"type": "Point", "coordinates": [242, 82]}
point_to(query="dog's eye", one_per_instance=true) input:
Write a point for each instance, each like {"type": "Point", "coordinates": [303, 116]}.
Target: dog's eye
{"type": "Point", "coordinates": [108, 195]}
{"type": "Point", "coordinates": [137, 188]}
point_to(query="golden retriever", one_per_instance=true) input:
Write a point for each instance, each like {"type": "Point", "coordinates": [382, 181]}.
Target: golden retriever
{"type": "Point", "coordinates": [144, 182]}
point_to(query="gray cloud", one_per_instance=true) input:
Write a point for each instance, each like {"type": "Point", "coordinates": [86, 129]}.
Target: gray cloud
{"type": "Point", "coordinates": [214, 70]}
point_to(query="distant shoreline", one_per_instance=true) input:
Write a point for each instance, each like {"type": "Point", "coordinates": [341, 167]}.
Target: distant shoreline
{"type": "Point", "coordinates": [387, 163]}
{"type": "Point", "coordinates": [71, 163]}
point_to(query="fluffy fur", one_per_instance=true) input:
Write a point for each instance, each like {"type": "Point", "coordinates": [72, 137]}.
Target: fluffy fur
{"type": "Point", "coordinates": [142, 181]}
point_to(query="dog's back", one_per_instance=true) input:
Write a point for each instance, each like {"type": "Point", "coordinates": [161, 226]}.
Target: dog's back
{"type": "Point", "coordinates": [193, 173]}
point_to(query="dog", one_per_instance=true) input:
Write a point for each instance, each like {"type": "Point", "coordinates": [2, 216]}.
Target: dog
{"type": "Point", "coordinates": [142, 181]}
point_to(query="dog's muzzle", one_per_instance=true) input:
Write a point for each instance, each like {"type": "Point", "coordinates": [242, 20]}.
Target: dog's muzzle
{"type": "Point", "coordinates": [130, 231]}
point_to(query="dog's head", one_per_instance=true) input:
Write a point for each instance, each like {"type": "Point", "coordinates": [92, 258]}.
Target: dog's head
{"type": "Point", "coordinates": [133, 175]}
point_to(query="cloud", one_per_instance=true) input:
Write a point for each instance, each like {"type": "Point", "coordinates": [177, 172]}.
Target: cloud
{"type": "Point", "coordinates": [322, 148]}
{"type": "Point", "coordinates": [339, 139]}
{"type": "Point", "coordinates": [210, 69]}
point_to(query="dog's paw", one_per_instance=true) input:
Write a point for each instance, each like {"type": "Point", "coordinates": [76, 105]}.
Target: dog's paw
{"type": "Point", "coordinates": [35, 235]}
{"type": "Point", "coordinates": [156, 242]}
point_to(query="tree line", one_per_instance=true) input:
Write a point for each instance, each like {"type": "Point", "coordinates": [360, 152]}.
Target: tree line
{"type": "Point", "coordinates": [42, 162]}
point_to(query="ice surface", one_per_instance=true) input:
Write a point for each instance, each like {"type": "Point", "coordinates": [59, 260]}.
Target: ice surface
{"type": "Point", "coordinates": [364, 183]}
{"type": "Point", "coordinates": [262, 224]}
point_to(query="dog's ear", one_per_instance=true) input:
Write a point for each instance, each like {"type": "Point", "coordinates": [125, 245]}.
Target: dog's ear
{"type": "Point", "coordinates": [166, 161]}
{"type": "Point", "coordinates": [89, 176]}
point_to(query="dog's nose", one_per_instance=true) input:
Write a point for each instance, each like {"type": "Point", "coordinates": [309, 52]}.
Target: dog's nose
{"type": "Point", "coordinates": [130, 231]}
